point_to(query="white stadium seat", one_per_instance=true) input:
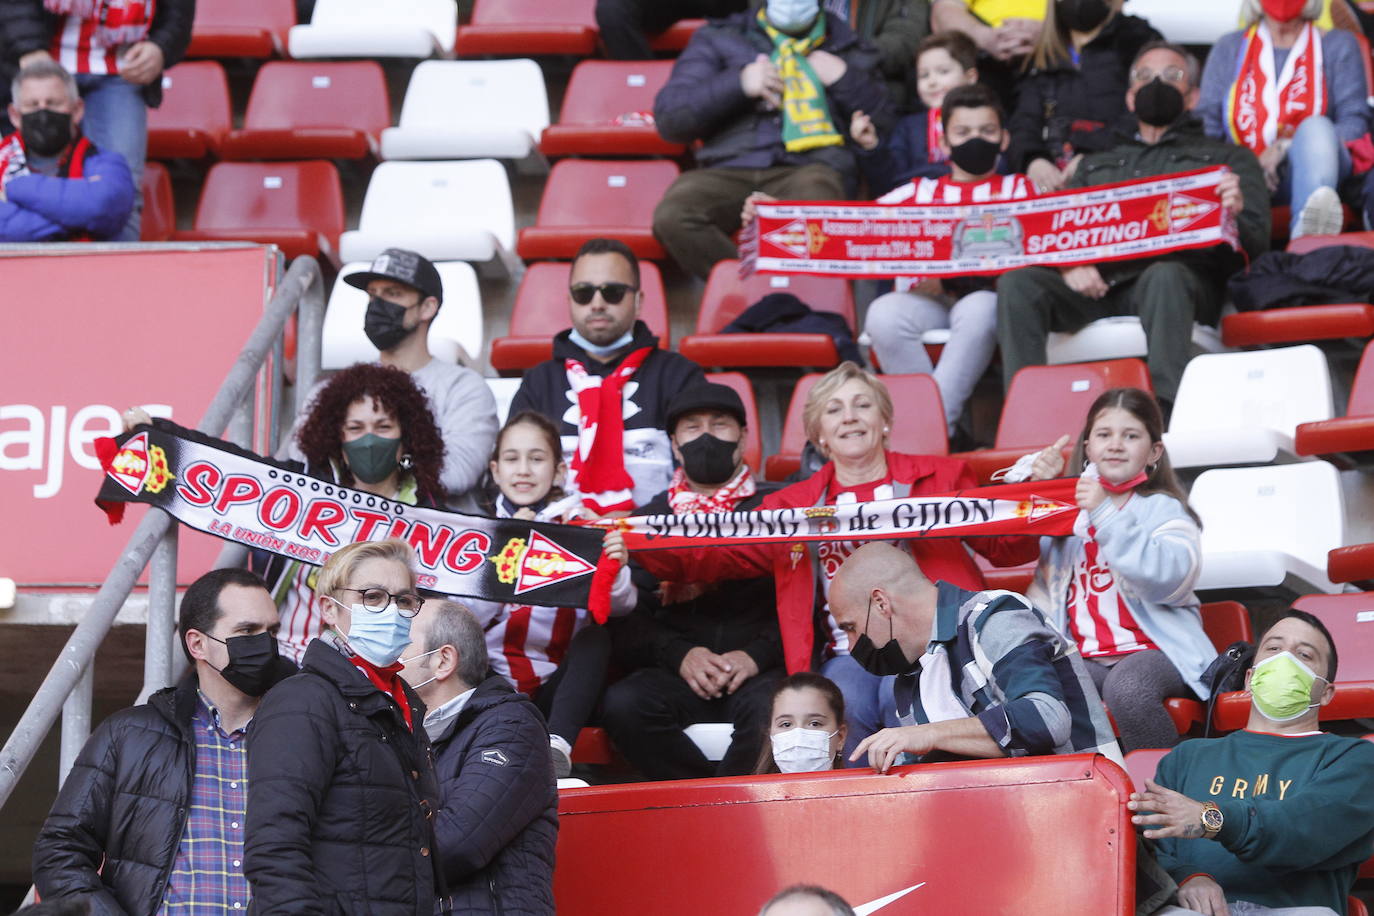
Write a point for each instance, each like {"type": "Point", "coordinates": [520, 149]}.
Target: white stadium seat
{"type": "Point", "coordinates": [458, 324]}
{"type": "Point", "coordinates": [471, 109]}
{"type": "Point", "coordinates": [364, 28]}
{"type": "Point", "coordinates": [1269, 526]}
{"type": "Point", "coordinates": [1119, 337]}
{"type": "Point", "coordinates": [503, 389]}
{"type": "Point", "coordinates": [1188, 22]}
{"type": "Point", "coordinates": [452, 211]}
{"type": "Point", "coordinates": [712, 738]}
{"type": "Point", "coordinates": [1244, 408]}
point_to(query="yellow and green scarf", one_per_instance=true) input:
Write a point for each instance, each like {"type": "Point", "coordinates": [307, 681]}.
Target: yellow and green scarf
{"type": "Point", "coordinates": [806, 122]}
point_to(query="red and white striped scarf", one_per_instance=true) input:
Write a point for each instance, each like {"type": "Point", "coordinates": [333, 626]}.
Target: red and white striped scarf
{"type": "Point", "coordinates": [13, 162]}
{"type": "Point", "coordinates": [684, 499]}
{"type": "Point", "coordinates": [598, 464]}
{"type": "Point", "coordinates": [1262, 108]}
{"type": "Point", "coordinates": [116, 22]}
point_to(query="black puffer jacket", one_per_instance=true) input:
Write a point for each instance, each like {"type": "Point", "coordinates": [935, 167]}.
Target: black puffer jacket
{"type": "Point", "coordinates": [28, 27]}
{"type": "Point", "coordinates": [124, 805]}
{"type": "Point", "coordinates": [341, 796]}
{"type": "Point", "coordinates": [499, 823]}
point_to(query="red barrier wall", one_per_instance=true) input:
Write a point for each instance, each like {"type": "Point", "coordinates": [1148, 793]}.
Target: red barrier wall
{"type": "Point", "coordinates": [85, 336]}
{"type": "Point", "coordinates": [1045, 835]}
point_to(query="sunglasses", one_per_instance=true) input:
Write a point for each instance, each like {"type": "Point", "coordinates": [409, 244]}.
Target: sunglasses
{"type": "Point", "coordinates": [582, 293]}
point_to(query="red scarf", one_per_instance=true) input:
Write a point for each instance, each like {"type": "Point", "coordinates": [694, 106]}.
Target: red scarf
{"type": "Point", "coordinates": [118, 22]}
{"type": "Point", "coordinates": [387, 680]}
{"type": "Point", "coordinates": [935, 129]}
{"type": "Point", "coordinates": [598, 464]}
{"type": "Point", "coordinates": [684, 499]}
{"type": "Point", "coordinates": [1261, 107]}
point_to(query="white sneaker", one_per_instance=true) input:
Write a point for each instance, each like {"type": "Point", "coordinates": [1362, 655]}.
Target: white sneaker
{"type": "Point", "coordinates": [562, 757]}
{"type": "Point", "coordinates": [1321, 214]}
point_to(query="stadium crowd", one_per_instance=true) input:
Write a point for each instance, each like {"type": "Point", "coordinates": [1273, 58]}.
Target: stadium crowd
{"type": "Point", "coordinates": [346, 741]}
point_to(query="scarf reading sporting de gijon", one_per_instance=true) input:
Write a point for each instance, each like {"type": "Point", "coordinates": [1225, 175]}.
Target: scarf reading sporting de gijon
{"type": "Point", "coordinates": [240, 497]}
{"type": "Point", "coordinates": [1129, 219]}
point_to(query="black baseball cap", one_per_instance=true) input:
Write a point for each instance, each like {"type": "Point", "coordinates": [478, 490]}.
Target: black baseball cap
{"type": "Point", "coordinates": [705, 396]}
{"type": "Point", "coordinates": [408, 267]}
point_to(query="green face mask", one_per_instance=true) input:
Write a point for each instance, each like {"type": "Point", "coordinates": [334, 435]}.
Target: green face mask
{"type": "Point", "coordinates": [1282, 687]}
{"type": "Point", "coordinates": [372, 458]}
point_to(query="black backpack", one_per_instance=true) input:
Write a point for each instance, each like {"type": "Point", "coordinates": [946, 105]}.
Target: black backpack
{"type": "Point", "coordinates": [1225, 674]}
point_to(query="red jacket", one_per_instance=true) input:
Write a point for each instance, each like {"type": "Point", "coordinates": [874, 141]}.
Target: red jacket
{"type": "Point", "coordinates": [941, 559]}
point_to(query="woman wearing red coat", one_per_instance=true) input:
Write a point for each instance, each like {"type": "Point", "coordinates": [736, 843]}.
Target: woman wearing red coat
{"type": "Point", "coordinates": [848, 416]}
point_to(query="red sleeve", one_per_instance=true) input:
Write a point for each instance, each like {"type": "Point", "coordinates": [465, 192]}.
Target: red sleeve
{"type": "Point", "coordinates": [1002, 550]}
{"type": "Point", "coordinates": [708, 563]}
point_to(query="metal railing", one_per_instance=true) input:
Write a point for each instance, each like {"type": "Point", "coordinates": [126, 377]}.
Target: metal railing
{"type": "Point", "coordinates": [68, 686]}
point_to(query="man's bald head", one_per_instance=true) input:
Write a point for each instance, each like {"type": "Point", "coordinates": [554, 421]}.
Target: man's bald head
{"type": "Point", "coordinates": [877, 564]}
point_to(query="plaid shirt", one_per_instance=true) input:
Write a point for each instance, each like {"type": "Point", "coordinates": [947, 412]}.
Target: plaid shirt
{"type": "Point", "coordinates": [207, 877]}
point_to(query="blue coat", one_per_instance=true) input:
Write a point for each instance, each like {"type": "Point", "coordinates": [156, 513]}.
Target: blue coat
{"type": "Point", "coordinates": [44, 208]}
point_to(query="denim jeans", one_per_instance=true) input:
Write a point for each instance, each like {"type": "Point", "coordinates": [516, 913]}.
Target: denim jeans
{"type": "Point", "coordinates": [117, 120]}
{"type": "Point", "coordinates": [1316, 159]}
{"type": "Point", "coordinates": [868, 701]}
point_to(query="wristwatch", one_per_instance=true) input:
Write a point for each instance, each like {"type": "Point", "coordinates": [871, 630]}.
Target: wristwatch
{"type": "Point", "coordinates": [1211, 820]}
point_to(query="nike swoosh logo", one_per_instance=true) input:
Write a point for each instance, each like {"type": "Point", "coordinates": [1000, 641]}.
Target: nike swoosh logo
{"type": "Point", "coordinates": [864, 909]}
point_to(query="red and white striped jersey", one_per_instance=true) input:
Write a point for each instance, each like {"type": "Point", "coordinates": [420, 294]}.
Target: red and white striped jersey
{"type": "Point", "coordinates": [529, 643]}
{"type": "Point", "coordinates": [946, 190]}
{"type": "Point", "coordinates": [77, 46]}
{"type": "Point", "coordinates": [1099, 617]}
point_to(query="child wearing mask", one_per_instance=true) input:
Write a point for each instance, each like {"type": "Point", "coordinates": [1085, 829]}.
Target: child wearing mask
{"type": "Point", "coordinates": [973, 139]}
{"type": "Point", "coordinates": [806, 728]}
{"type": "Point", "coordinates": [557, 656]}
{"type": "Point", "coordinates": [944, 61]}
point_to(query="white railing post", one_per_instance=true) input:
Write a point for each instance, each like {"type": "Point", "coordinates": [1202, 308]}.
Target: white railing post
{"type": "Point", "coordinates": [76, 722]}
{"type": "Point", "coordinates": [162, 603]}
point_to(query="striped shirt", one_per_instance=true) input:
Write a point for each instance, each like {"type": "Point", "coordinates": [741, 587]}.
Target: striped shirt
{"type": "Point", "coordinates": [207, 876]}
{"type": "Point", "coordinates": [945, 190]}
{"type": "Point", "coordinates": [76, 45]}
{"type": "Point", "coordinates": [1008, 667]}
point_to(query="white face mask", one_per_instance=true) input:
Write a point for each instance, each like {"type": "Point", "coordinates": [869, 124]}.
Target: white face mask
{"type": "Point", "coordinates": [407, 661]}
{"type": "Point", "coordinates": [803, 750]}
{"type": "Point", "coordinates": [793, 16]}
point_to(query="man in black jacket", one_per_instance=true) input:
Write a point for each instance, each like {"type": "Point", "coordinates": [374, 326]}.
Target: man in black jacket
{"type": "Point", "coordinates": [608, 385]}
{"type": "Point", "coordinates": [117, 53]}
{"type": "Point", "coordinates": [702, 654]}
{"type": "Point", "coordinates": [498, 823]}
{"type": "Point", "coordinates": [152, 814]}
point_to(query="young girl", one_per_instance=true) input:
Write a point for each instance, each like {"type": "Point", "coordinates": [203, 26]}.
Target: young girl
{"type": "Point", "coordinates": [806, 729]}
{"type": "Point", "coordinates": [555, 655]}
{"type": "Point", "coordinates": [1122, 583]}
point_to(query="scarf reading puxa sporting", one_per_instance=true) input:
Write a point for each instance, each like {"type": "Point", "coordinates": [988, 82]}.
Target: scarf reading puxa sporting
{"type": "Point", "coordinates": [806, 122]}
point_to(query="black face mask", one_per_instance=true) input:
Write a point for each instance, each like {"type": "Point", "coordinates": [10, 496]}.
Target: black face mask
{"type": "Point", "coordinates": [1158, 104]}
{"type": "Point", "coordinates": [977, 156]}
{"type": "Point", "coordinates": [1082, 15]}
{"type": "Point", "coordinates": [46, 132]}
{"type": "Point", "coordinates": [385, 324]}
{"type": "Point", "coordinates": [708, 460]}
{"type": "Point", "coordinates": [884, 660]}
{"type": "Point", "coordinates": [254, 665]}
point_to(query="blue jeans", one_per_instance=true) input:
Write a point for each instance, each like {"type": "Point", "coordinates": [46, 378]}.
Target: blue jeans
{"type": "Point", "coordinates": [868, 702]}
{"type": "Point", "coordinates": [117, 120]}
{"type": "Point", "coordinates": [1317, 159]}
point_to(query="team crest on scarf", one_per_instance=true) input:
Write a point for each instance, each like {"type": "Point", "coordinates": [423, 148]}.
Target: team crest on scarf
{"type": "Point", "coordinates": [138, 466]}
{"type": "Point", "coordinates": [536, 563]}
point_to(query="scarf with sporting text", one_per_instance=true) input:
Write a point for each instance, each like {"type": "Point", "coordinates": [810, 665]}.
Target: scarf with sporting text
{"type": "Point", "coordinates": [806, 123]}
{"type": "Point", "coordinates": [1262, 107]}
{"type": "Point", "coordinates": [598, 464]}
{"type": "Point", "coordinates": [117, 22]}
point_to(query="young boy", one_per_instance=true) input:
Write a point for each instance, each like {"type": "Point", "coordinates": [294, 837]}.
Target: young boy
{"type": "Point", "coordinates": [944, 61]}
{"type": "Point", "coordinates": [972, 141]}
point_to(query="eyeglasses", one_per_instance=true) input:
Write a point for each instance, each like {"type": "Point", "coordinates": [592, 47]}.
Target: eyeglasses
{"type": "Point", "coordinates": [376, 600]}
{"type": "Point", "coordinates": [1168, 74]}
{"type": "Point", "coordinates": [612, 292]}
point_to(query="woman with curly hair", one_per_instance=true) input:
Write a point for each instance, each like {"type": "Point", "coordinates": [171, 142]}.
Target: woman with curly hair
{"type": "Point", "coordinates": [370, 428]}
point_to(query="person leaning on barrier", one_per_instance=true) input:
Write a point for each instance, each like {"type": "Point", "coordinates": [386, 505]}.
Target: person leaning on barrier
{"type": "Point", "coordinates": [151, 817]}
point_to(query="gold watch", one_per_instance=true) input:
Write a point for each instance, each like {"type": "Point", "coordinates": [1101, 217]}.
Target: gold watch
{"type": "Point", "coordinates": [1211, 820]}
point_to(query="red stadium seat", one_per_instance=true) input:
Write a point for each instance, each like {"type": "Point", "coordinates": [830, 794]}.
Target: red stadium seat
{"type": "Point", "coordinates": [585, 198]}
{"type": "Point", "coordinates": [241, 28]}
{"type": "Point", "coordinates": [1352, 563]}
{"type": "Point", "coordinates": [541, 311]}
{"type": "Point", "coordinates": [1350, 619]}
{"type": "Point", "coordinates": [1225, 622]}
{"type": "Point", "coordinates": [676, 36]}
{"type": "Point", "coordinates": [728, 294]}
{"type": "Point", "coordinates": [297, 206]}
{"type": "Point", "coordinates": [753, 440]}
{"type": "Point", "coordinates": [918, 427]}
{"type": "Point", "coordinates": [599, 92]}
{"type": "Point", "coordinates": [1046, 402]}
{"type": "Point", "coordinates": [1142, 763]}
{"type": "Point", "coordinates": [1306, 243]}
{"type": "Point", "coordinates": [1352, 433]}
{"type": "Point", "coordinates": [313, 110]}
{"type": "Point", "coordinates": [159, 210]}
{"type": "Point", "coordinates": [529, 28]}
{"type": "Point", "coordinates": [1307, 322]}
{"type": "Point", "coordinates": [194, 116]}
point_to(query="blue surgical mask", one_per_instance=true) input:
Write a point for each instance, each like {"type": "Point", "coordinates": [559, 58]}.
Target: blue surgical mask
{"type": "Point", "coordinates": [602, 352]}
{"type": "Point", "coordinates": [793, 16]}
{"type": "Point", "coordinates": [378, 636]}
